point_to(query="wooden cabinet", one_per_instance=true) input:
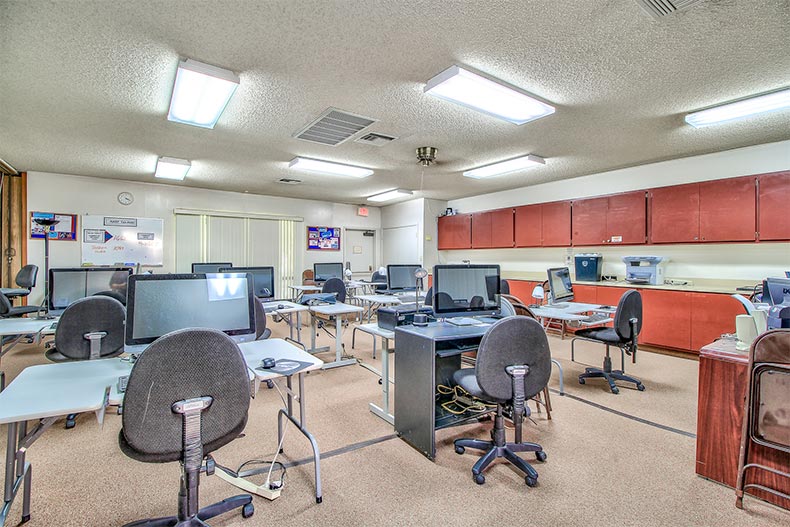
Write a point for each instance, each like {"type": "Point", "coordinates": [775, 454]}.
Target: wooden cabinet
{"type": "Point", "coordinates": [667, 318]}
{"type": "Point", "coordinates": [610, 296]}
{"type": "Point", "coordinates": [728, 210]}
{"type": "Point", "coordinates": [529, 226]}
{"type": "Point", "coordinates": [585, 293]}
{"type": "Point", "coordinates": [619, 219]}
{"type": "Point", "coordinates": [481, 230]}
{"type": "Point", "coordinates": [588, 221]}
{"type": "Point", "coordinates": [492, 229]}
{"type": "Point", "coordinates": [773, 221]}
{"type": "Point", "coordinates": [455, 232]}
{"type": "Point", "coordinates": [522, 289]}
{"type": "Point", "coordinates": [543, 225]}
{"type": "Point", "coordinates": [674, 214]}
{"type": "Point", "coordinates": [711, 315]}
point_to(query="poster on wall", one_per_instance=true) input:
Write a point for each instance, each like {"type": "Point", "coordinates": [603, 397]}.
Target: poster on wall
{"type": "Point", "coordinates": [111, 240]}
{"type": "Point", "coordinates": [65, 229]}
{"type": "Point", "coordinates": [323, 238]}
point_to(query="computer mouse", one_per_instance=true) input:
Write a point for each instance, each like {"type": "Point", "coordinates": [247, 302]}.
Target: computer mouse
{"type": "Point", "coordinates": [268, 363]}
{"type": "Point", "coordinates": [280, 306]}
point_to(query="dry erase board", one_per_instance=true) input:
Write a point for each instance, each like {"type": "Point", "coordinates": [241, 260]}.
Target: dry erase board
{"type": "Point", "coordinates": [323, 238]}
{"type": "Point", "coordinates": [110, 240]}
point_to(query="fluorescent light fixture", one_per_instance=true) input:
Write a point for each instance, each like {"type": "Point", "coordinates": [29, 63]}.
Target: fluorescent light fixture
{"type": "Point", "coordinates": [172, 168]}
{"type": "Point", "coordinates": [201, 93]}
{"type": "Point", "coordinates": [480, 93]}
{"type": "Point", "coordinates": [325, 167]}
{"type": "Point", "coordinates": [742, 109]}
{"type": "Point", "coordinates": [505, 167]}
{"type": "Point", "coordinates": [390, 195]}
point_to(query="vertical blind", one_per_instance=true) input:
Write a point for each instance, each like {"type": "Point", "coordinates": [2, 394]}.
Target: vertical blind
{"type": "Point", "coordinates": [246, 241]}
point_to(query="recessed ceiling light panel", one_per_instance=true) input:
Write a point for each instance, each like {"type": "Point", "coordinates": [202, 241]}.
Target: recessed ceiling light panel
{"type": "Point", "coordinates": [200, 93]}
{"type": "Point", "coordinates": [505, 167]}
{"type": "Point", "coordinates": [172, 168]}
{"type": "Point", "coordinates": [390, 195]}
{"type": "Point", "coordinates": [329, 168]}
{"type": "Point", "coordinates": [485, 95]}
{"type": "Point", "coordinates": [742, 109]}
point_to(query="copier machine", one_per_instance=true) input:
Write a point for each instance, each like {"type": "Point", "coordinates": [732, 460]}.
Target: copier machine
{"type": "Point", "coordinates": [645, 269]}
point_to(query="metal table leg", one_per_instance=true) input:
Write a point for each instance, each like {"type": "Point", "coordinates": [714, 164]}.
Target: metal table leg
{"type": "Point", "coordinates": [383, 411]}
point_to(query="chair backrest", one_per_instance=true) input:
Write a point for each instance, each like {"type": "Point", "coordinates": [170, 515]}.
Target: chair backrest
{"type": "Point", "coordinates": [26, 277]}
{"type": "Point", "coordinates": [630, 306]}
{"type": "Point", "coordinates": [181, 365]}
{"type": "Point", "coordinates": [513, 341]}
{"type": "Point", "coordinates": [335, 285]}
{"type": "Point", "coordinates": [477, 301]}
{"type": "Point", "coordinates": [504, 287]}
{"type": "Point", "coordinates": [260, 319]}
{"type": "Point", "coordinates": [443, 300]}
{"type": "Point", "coordinates": [117, 295]}
{"type": "Point", "coordinates": [308, 278]}
{"type": "Point", "coordinates": [768, 407]}
{"type": "Point", "coordinates": [378, 277]}
{"type": "Point", "coordinates": [5, 306]}
{"type": "Point", "coordinates": [429, 297]}
{"type": "Point", "coordinates": [506, 308]}
{"type": "Point", "coordinates": [88, 315]}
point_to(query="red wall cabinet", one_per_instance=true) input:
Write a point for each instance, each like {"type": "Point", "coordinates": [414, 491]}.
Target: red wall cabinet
{"type": "Point", "coordinates": [588, 219]}
{"type": "Point", "coordinates": [711, 315]}
{"type": "Point", "coordinates": [674, 214]}
{"type": "Point", "coordinates": [626, 218]}
{"type": "Point", "coordinates": [492, 229]}
{"type": "Point", "coordinates": [529, 226]}
{"type": "Point", "coordinates": [522, 289]}
{"type": "Point", "coordinates": [728, 210]}
{"type": "Point", "coordinates": [455, 232]}
{"type": "Point", "coordinates": [543, 225]}
{"type": "Point", "coordinates": [774, 201]}
{"type": "Point", "coordinates": [667, 318]}
{"type": "Point", "coordinates": [585, 293]}
{"type": "Point", "coordinates": [481, 230]}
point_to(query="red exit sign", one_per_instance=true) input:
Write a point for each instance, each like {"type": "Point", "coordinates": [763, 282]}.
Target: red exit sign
{"type": "Point", "coordinates": [362, 211]}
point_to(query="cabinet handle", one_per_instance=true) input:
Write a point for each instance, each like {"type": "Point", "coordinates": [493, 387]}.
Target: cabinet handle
{"type": "Point", "coordinates": [696, 238]}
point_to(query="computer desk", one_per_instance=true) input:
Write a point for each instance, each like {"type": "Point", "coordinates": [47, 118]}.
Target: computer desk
{"type": "Point", "coordinates": [373, 302]}
{"type": "Point", "coordinates": [287, 313]}
{"type": "Point", "coordinates": [386, 335]}
{"type": "Point", "coordinates": [299, 290]}
{"type": "Point", "coordinates": [48, 391]}
{"type": "Point", "coordinates": [338, 309]}
{"type": "Point", "coordinates": [18, 328]}
{"type": "Point", "coordinates": [572, 313]}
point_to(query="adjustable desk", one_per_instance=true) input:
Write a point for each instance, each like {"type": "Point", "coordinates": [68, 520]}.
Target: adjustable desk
{"type": "Point", "coordinates": [337, 310]}
{"type": "Point", "coordinates": [299, 290]}
{"type": "Point", "coordinates": [18, 328]}
{"type": "Point", "coordinates": [572, 313]}
{"type": "Point", "coordinates": [287, 313]}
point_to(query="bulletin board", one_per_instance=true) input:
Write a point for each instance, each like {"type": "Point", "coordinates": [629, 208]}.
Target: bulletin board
{"type": "Point", "coordinates": [110, 240]}
{"type": "Point", "coordinates": [65, 229]}
{"type": "Point", "coordinates": [323, 238]}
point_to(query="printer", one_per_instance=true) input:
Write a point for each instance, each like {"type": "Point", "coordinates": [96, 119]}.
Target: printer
{"type": "Point", "coordinates": [645, 269]}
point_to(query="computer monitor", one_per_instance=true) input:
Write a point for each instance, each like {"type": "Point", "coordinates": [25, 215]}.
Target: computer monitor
{"type": "Point", "coordinates": [400, 277]}
{"type": "Point", "coordinates": [262, 279]}
{"type": "Point", "coordinates": [324, 271]}
{"type": "Point", "coordinates": [465, 290]}
{"type": "Point", "coordinates": [159, 304]}
{"type": "Point", "coordinates": [776, 291]}
{"type": "Point", "coordinates": [207, 267]}
{"type": "Point", "coordinates": [560, 285]}
{"type": "Point", "coordinates": [67, 285]}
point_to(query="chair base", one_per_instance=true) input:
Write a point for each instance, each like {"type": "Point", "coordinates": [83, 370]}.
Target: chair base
{"type": "Point", "coordinates": [243, 501]}
{"type": "Point", "coordinates": [507, 451]}
{"type": "Point", "coordinates": [610, 376]}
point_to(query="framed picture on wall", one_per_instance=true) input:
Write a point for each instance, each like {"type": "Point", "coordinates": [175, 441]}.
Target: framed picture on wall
{"type": "Point", "coordinates": [323, 238]}
{"type": "Point", "coordinates": [65, 229]}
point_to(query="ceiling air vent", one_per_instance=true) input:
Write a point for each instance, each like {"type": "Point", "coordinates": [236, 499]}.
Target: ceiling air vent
{"type": "Point", "coordinates": [375, 139]}
{"type": "Point", "coordinates": [662, 8]}
{"type": "Point", "coordinates": [334, 127]}
{"type": "Point", "coordinates": [289, 181]}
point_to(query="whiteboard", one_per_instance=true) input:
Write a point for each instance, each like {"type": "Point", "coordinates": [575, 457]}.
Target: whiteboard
{"type": "Point", "coordinates": [110, 240]}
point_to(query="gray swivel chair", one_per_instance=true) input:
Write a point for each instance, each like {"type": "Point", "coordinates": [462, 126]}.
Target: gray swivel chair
{"type": "Point", "coordinates": [477, 301]}
{"type": "Point", "coordinates": [117, 295]}
{"type": "Point", "coordinates": [627, 325]}
{"type": "Point", "coordinates": [9, 311]}
{"type": "Point", "coordinates": [90, 328]}
{"type": "Point", "coordinates": [506, 308]}
{"type": "Point", "coordinates": [25, 279]}
{"type": "Point", "coordinates": [429, 297]}
{"type": "Point", "coordinates": [504, 287]}
{"type": "Point", "coordinates": [378, 277]}
{"type": "Point", "coordinates": [335, 285]}
{"type": "Point", "coordinates": [513, 364]}
{"type": "Point", "coordinates": [188, 395]}
{"type": "Point", "coordinates": [443, 300]}
{"type": "Point", "coordinates": [261, 331]}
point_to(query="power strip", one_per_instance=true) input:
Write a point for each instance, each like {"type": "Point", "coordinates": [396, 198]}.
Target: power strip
{"type": "Point", "coordinates": [261, 490]}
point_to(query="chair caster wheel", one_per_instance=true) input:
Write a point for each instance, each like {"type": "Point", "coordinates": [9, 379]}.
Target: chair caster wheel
{"type": "Point", "coordinates": [480, 479]}
{"type": "Point", "coordinates": [248, 510]}
{"type": "Point", "coordinates": [319, 499]}
{"type": "Point", "coordinates": [615, 390]}
{"type": "Point", "coordinates": [460, 450]}
{"type": "Point", "coordinates": [281, 451]}
{"type": "Point", "coordinates": [541, 456]}
{"type": "Point", "coordinates": [70, 423]}
{"type": "Point", "coordinates": [530, 481]}
{"type": "Point", "coordinates": [381, 382]}
{"type": "Point", "coordinates": [640, 387]}
{"type": "Point", "coordinates": [270, 384]}
{"type": "Point", "coordinates": [581, 380]}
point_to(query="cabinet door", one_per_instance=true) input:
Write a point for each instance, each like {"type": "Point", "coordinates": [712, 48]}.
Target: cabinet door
{"type": "Point", "coordinates": [609, 296]}
{"type": "Point", "coordinates": [584, 293]}
{"type": "Point", "coordinates": [728, 210]}
{"type": "Point", "coordinates": [481, 230]}
{"type": "Point", "coordinates": [522, 289]}
{"type": "Point", "coordinates": [589, 221]}
{"type": "Point", "coordinates": [626, 218]}
{"type": "Point", "coordinates": [711, 315]}
{"type": "Point", "coordinates": [666, 318]}
{"type": "Point", "coordinates": [556, 224]}
{"type": "Point", "coordinates": [455, 232]}
{"type": "Point", "coordinates": [502, 228]}
{"type": "Point", "coordinates": [773, 202]}
{"type": "Point", "coordinates": [674, 214]}
{"type": "Point", "coordinates": [529, 226]}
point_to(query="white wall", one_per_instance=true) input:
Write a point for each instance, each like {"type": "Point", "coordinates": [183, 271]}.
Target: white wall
{"type": "Point", "coordinates": [421, 213]}
{"type": "Point", "coordinates": [751, 262]}
{"type": "Point", "coordinates": [69, 194]}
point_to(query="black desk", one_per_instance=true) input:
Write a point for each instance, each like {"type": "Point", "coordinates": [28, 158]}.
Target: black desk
{"type": "Point", "coordinates": [427, 356]}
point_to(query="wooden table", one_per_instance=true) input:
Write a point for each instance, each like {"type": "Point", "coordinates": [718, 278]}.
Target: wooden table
{"type": "Point", "coordinates": [723, 377]}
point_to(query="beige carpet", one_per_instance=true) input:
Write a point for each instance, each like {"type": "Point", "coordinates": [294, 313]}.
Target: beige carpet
{"type": "Point", "coordinates": [602, 468]}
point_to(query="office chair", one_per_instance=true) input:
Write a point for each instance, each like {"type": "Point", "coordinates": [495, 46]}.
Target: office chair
{"type": "Point", "coordinates": [513, 364]}
{"type": "Point", "coordinates": [261, 331]}
{"type": "Point", "coordinates": [477, 301]}
{"type": "Point", "coordinates": [25, 279]}
{"type": "Point", "coordinates": [378, 277]}
{"type": "Point", "coordinates": [428, 297]}
{"type": "Point", "coordinates": [504, 287]}
{"type": "Point", "coordinates": [117, 295]}
{"type": "Point", "coordinates": [443, 300]}
{"type": "Point", "coordinates": [308, 278]}
{"type": "Point", "coordinates": [333, 285]}
{"type": "Point", "coordinates": [188, 395]}
{"type": "Point", "coordinates": [90, 328]}
{"type": "Point", "coordinates": [506, 308]}
{"type": "Point", "coordinates": [9, 311]}
{"type": "Point", "coordinates": [765, 421]}
{"type": "Point", "coordinates": [627, 325]}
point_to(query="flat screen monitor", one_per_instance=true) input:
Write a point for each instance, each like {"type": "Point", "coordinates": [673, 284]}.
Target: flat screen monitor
{"type": "Point", "coordinates": [159, 304]}
{"type": "Point", "coordinates": [776, 291]}
{"type": "Point", "coordinates": [68, 285]}
{"type": "Point", "coordinates": [400, 277]}
{"type": "Point", "coordinates": [262, 279]}
{"type": "Point", "coordinates": [465, 290]}
{"type": "Point", "coordinates": [560, 285]}
{"type": "Point", "coordinates": [210, 267]}
{"type": "Point", "coordinates": [324, 271]}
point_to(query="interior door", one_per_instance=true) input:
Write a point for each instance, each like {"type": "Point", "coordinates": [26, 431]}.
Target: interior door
{"type": "Point", "coordinates": [360, 252]}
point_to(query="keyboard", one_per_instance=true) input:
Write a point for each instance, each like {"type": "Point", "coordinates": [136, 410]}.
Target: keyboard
{"type": "Point", "coordinates": [558, 306]}
{"type": "Point", "coordinates": [596, 318]}
{"type": "Point", "coordinates": [122, 383]}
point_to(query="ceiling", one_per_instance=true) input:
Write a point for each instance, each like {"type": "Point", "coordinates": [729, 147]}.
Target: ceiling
{"type": "Point", "coordinates": [85, 87]}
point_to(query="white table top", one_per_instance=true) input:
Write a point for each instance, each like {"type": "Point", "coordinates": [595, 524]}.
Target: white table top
{"type": "Point", "coordinates": [379, 299]}
{"type": "Point", "coordinates": [24, 326]}
{"type": "Point", "coordinates": [338, 308]}
{"type": "Point", "coordinates": [278, 349]}
{"type": "Point", "coordinates": [374, 329]}
{"type": "Point", "coordinates": [305, 287]}
{"type": "Point", "coordinates": [573, 311]}
{"type": "Point", "coordinates": [289, 307]}
{"type": "Point", "coordinates": [363, 283]}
